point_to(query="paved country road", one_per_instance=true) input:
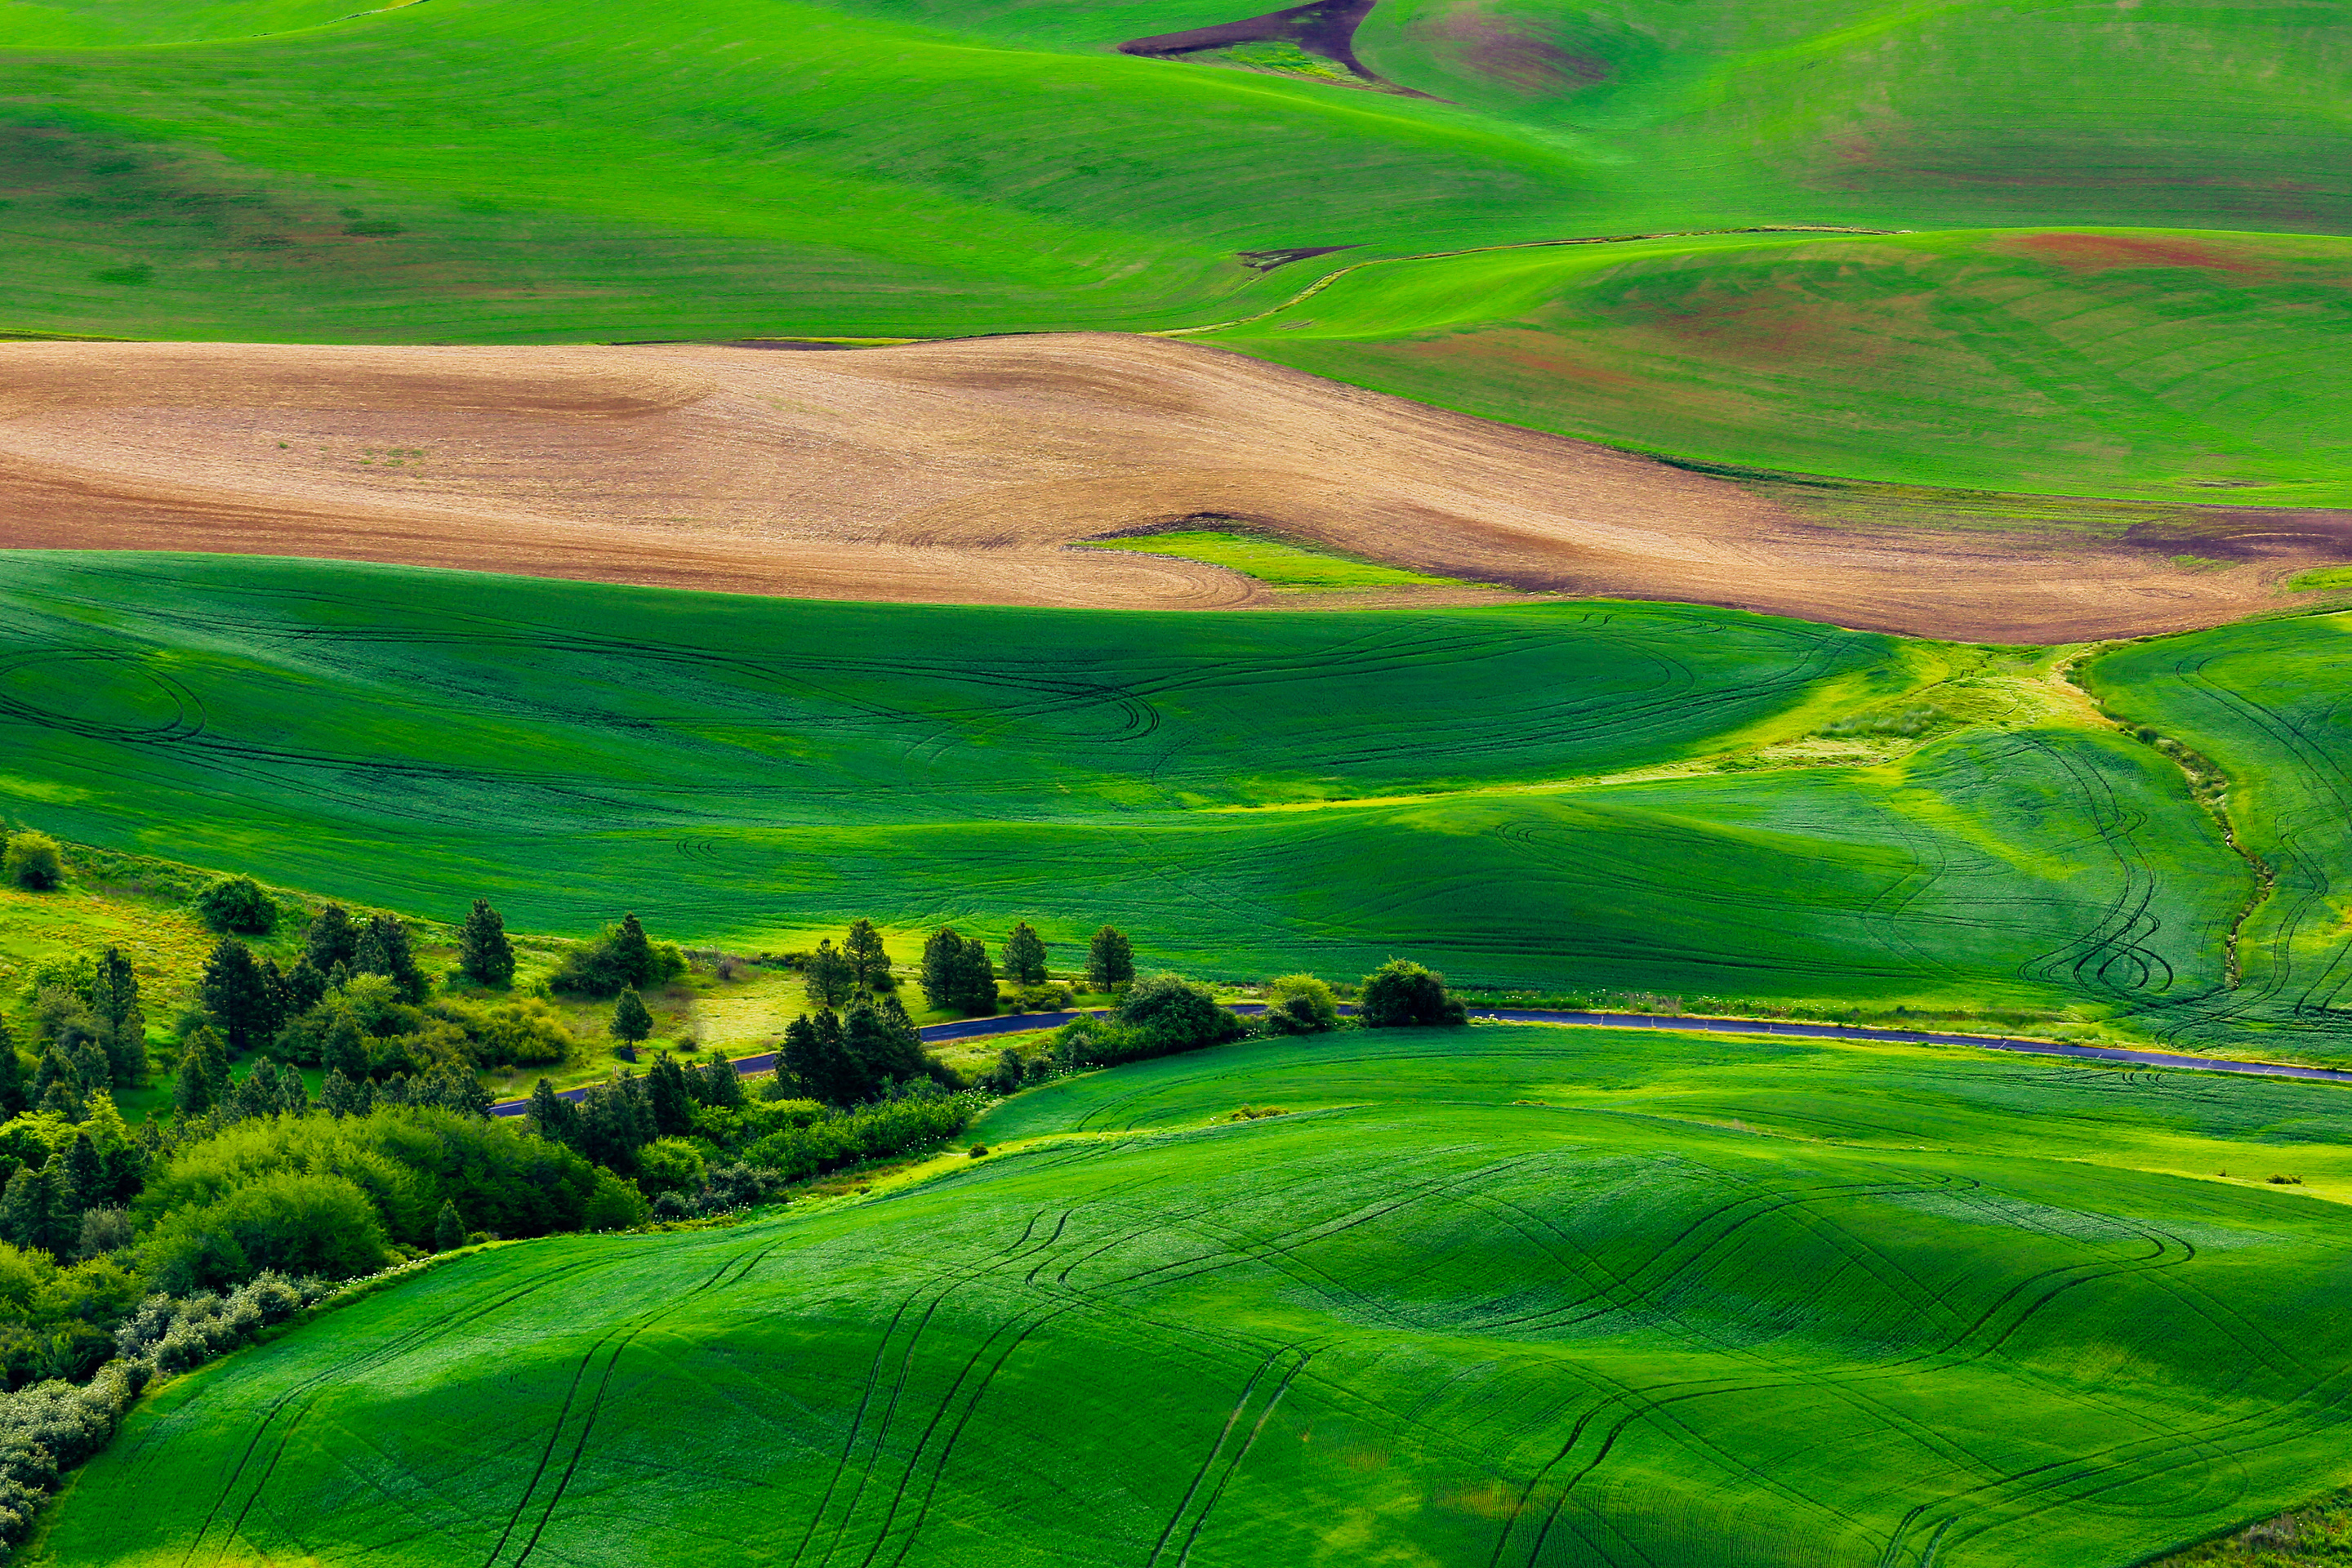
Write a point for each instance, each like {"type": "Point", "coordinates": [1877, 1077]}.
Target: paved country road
{"type": "Point", "coordinates": [1028, 1023]}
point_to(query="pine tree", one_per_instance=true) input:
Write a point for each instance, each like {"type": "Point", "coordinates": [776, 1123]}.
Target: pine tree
{"type": "Point", "coordinates": [293, 1094]}
{"type": "Point", "coordinates": [306, 987]}
{"type": "Point", "coordinates": [942, 956]}
{"type": "Point", "coordinates": [484, 953]}
{"type": "Point", "coordinates": [15, 1100]}
{"type": "Point", "coordinates": [828, 977]}
{"type": "Point", "coordinates": [28, 1210]}
{"type": "Point", "coordinates": [631, 1022]}
{"type": "Point", "coordinates": [214, 1054]}
{"type": "Point", "coordinates": [633, 953]}
{"type": "Point", "coordinates": [383, 949]}
{"type": "Point", "coordinates": [333, 939]}
{"type": "Point", "coordinates": [815, 1053]}
{"type": "Point", "coordinates": [975, 979]}
{"type": "Point", "coordinates": [448, 1229]}
{"type": "Point", "coordinates": [672, 1106]}
{"type": "Point", "coordinates": [1024, 956]}
{"type": "Point", "coordinates": [553, 1117]}
{"type": "Point", "coordinates": [339, 1096]}
{"type": "Point", "coordinates": [192, 1095]}
{"type": "Point", "coordinates": [114, 999]}
{"type": "Point", "coordinates": [1110, 961]}
{"type": "Point", "coordinates": [611, 1128]}
{"type": "Point", "coordinates": [868, 962]}
{"type": "Point", "coordinates": [234, 997]}
{"type": "Point", "coordinates": [346, 1048]}
{"type": "Point", "coordinates": [84, 1183]}
{"type": "Point", "coordinates": [57, 1087]}
{"type": "Point", "coordinates": [721, 1084]}
{"type": "Point", "coordinates": [884, 1055]}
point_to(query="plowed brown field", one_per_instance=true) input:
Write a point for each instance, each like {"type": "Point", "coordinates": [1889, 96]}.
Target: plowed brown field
{"type": "Point", "coordinates": [959, 471]}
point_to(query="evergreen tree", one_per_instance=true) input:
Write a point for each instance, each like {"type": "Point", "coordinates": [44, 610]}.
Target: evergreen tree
{"type": "Point", "coordinates": [114, 999]}
{"type": "Point", "coordinates": [448, 1229]}
{"type": "Point", "coordinates": [1110, 961]}
{"type": "Point", "coordinates": [293, 1094]}
{"type": "Point", "coordinates": [275, 986]}
{"type": "Point", "coordinates": [1024, 956]}
{"type": "Point", "coordinates": [306, 987]}
{"type": "Point", "coordinates": [84, 1184]}
{"type": "Point", "coordinates": [975, 979]}
{"type": "Point", "coordinates": [256, 1094]}
{"type": "Point", "coordinates": [234, 997]}
{"type": "Point", "coordinates": [942, 973]}
{"type": "Point", "coordinates": [612, 1129]}
{"type": "Point", "coordinates": [672, 1106]}
{"type": "Point", "coordinates": [553, 1117]}
{"type": "Point", "coordinates": [383, 949]}
{"type": "Point", "coordinates": [484, 953]}
{"type": "Point", "coordinates": [869, 964]}
{"type": "Point", "coordinates": [14, 1098]}
{"type": "Point", "coordinates": [57, 1087]}
{"type": "Point", "coordinates": [633, 953]}
{"type": "Point", "coordinates": [631, 1022]}
{"type": "Point", "coordinates": [333, 939]}
{"type": "Point", "coordinates": [721, 1084]}
{"type": "Point", "coordinates": [191, 1094]}
{"type": "Point", "coordinates": [815, 1053]}
{"type": "Point", "coordinates": [29, 1215]}
{"type": "Point", "coordinates": [339, 1096]}
{"type": "Point", "coordinates": [346, 1048]}
{"type": "Point", "coordinates": [883, 1055]}
{"type": "Point", "coordinates": [828, 977]}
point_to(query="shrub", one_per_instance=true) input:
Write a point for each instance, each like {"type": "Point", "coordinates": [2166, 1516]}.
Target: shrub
{"type": "Point", "coordinates": [1179, 1015]}
{"type": "Point", "coordinates": [615, 1204]}
{"type": "Point", "coordinates": [287, 1220]}
{"type": "Point", "coordinates": [1043, 998]}
{"type": "Point", "coordinates": [33, 862]}
{"type": "Point", "coordinates": [670, 1165]}
{"type": "Point", "coordinates": [236, 904]}
{"type": "Point", "coordinates": [1300, 1004]}
{"type": "Point", "coordinates": [1401, 992]}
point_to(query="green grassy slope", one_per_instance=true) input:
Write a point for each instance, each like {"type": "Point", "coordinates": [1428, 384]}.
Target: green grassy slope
{"type": "Point", "coordinates": [1244, 793]}
{"type": "Point", "coordinates": [519, 169]}
{"type": "Point", "coordinates": [2167, 365]}
{"type": "Point", "coordinates": [1733, 1303]}
{"type": "Point", "coordinates": [2266, 702]}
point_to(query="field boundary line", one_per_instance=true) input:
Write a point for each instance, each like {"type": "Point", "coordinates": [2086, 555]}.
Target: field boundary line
{"type": "Point", "coordinates": [1330, 277]}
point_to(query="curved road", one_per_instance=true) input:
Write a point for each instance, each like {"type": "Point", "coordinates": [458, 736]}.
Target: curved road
{"type": "Point", "coordinates": [1027, 1022]}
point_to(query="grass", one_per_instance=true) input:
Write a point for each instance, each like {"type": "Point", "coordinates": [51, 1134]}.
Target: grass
{"type": "Point", "coordinates": [1287, 568]}
{"type": "Point", "coordinates": [1505, 1294]}
{"type": "Point", "coordinates": [2260, 701]}
{"type": "Point", "coordinates": [1244, 794]}
{"type": "Point", "coordinates": [2148, 365]}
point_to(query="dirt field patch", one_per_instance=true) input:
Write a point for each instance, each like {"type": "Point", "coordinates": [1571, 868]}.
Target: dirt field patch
{"type": "Point", "coordinates": [956, 473]}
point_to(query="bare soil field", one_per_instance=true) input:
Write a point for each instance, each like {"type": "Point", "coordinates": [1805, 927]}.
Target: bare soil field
{"type": "Point", "coordinates": [962, 471]}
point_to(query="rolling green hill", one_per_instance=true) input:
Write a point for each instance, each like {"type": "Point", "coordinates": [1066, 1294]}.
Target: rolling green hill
{"type": "Point", "coordinates": [2149, 364]}
{"type": "Point", "coordinates": [520, 169]}
{"type": "Point", "coordinates": [1504, 1296]}
{"type": "Point", "coordinates": [1676, 799]}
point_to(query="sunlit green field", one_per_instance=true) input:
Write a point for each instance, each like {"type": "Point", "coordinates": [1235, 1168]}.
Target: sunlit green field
{"type": "Point", "coordinates": [1287, 568]}
{"type": "Point", "coordinates": [1662, 797]}
{"type": "Point", "coordinates": [2153, 364]}
{"type": "Point", "coordinates": [1504, 1295]}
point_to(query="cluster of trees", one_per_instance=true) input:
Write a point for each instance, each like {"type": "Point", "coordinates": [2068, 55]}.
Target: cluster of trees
{"type": "Point", "coordinates": [621, 958]}
{"type": "Point", "coordinates": [959, 976]}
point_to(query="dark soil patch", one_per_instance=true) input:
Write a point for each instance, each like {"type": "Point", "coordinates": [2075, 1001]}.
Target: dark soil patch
{"type": "Point", "coordinates": [1492, 48]}
{"type": "Point", "coordinates": [1325, 27]}
{"type": "Point", "coordinates": [2100, 252]}
{"type": "Point", "coordinates": [2249, 534]}
{"type": "Point", "coordinates": [1267, 260]}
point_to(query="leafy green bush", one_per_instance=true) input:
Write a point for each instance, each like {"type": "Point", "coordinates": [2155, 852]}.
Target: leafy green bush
{"type": "Point", "coordinates": [236, 904]}
{"type": "Point", "coordinates": [32, 861]}
{"type": "Point", "coordinates": [1300, 1004]}
{"type": "Point", "coordinates": [869, 1133]}
{"type": "Point", "coordinates": [1401, 993]}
